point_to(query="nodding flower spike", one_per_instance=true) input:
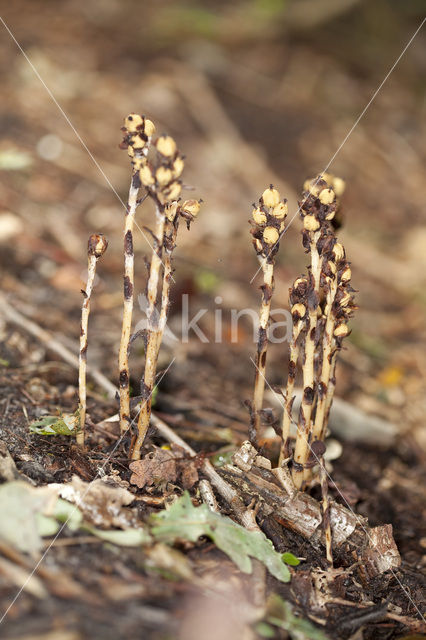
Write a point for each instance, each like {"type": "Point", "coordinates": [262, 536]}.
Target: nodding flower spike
{"type": "Point", "coordinates": [97, 245]}
{"type": "Point", "coordinates": [271, 197]}
{"type": "Point", "coordinates": [166, 146]}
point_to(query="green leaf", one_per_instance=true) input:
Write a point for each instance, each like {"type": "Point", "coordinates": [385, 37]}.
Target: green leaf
{"type": "Point", "coordinates": [66, 424]}
{"type": "Point", "coordinates": [280, 614]}
{"type": "Point", "coordinates": [46, 525]}
{"type": "Point", "coordinates": [290, 559]}
{"type": "Point", "coordinates": [64, 511]}
{"type": "Point", "coordinates": [265, 630]}
{"type": "Point", "coordinates": [183, 521]}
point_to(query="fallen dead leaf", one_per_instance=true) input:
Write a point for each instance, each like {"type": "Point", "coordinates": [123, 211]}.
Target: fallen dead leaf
{"type": "Point", "coordinates": [165, 465]}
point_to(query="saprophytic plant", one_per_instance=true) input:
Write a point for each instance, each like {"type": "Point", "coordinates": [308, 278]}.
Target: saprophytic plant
{"type": "Point", "coordinates": [157, 167]}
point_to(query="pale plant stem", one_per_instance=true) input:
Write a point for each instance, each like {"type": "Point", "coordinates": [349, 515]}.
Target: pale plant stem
{"type": "Point", "coordinates": [327, 347]}
{"type": "Point", "coordinates": [128, 288]}
{"type": "Point", "coordinates": [325, 510]}
{"type": "Point", "coordinates": [331, 387]}
{"type": "Point", "coordinates": [287, 414]}
{"type": "Point", "coordinates": [153, 339]}
{"type": "Point", "coordinates": [82, 360]}
{"type": "Point", "coordinates": [302, 447]}
{"type": "Point", "coordinates": [262, 346]}
{"type": "Point", "coordinates": [167, 278]}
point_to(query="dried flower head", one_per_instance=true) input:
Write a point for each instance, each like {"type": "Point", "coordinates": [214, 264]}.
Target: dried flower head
{"type": "Point", "coordinates": [268, 220]}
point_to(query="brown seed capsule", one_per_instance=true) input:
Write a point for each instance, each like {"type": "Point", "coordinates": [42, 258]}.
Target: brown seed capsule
{"type": "Point", "coordinates": [270, 235]}
{"type": "Point", "coordinates": [192, 207]}
{"type": "Point", "coordinates": [178, 166]}
{"type": "Point", "coordinates": [132, 122]}
{"type": "Point", "coordinates": [339, 251]}
{"type": "Point", "coordinates": [149, 128]}
{"type": "Point", "coordinates": [346, 275]}
{"type": "Point", "coordinates": [311, 223]}
{"type": "Point", "coordinates": [298, 310]}
{"type": "Point", "coordinates": [137, 142]}
{"type": "Point", "coordinates": [259, 216]}
{"type": "Point", "coordinates": [166, 146]}
{"type": "Point", "coordinates": [271, 197]}
{"type": "Point", "coordinates": [97, 245]}
{"type": "Point", "coordinates": [341, 331]}
{"type": "Point", "coordinates": [339, 186]}
{"type": "Point", "coordinates": [173, 191]}
{"type": "Point", "coordinates": [163, 176]}
{"type": "Point", "coordinates": [280, 210]}
{"type": "Point", "coordinates": [139, 162]}
{"type": "Point", "coordinates": [327, 196]}
{"type": "Point", "coordinates": [146, 177]}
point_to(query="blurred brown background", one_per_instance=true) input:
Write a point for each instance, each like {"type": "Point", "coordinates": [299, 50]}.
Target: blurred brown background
{"type": "Point", "coordinates": [254, 92]}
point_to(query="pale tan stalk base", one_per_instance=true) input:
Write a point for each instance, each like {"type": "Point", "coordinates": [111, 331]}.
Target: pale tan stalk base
{"type": "Point", "coordinates": [123, 356]}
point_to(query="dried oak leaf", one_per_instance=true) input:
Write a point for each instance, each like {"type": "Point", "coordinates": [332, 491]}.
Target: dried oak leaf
{"type": "Point", "coordinates": [164, 465]}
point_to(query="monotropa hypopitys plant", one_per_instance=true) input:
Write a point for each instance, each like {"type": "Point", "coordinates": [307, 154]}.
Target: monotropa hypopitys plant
{"type": "Point", "coordinates": [268, 220]}
{"type": "Point", "coordinates": [322, 302]}
{"type": "Point", "coordinates": [157, 166]}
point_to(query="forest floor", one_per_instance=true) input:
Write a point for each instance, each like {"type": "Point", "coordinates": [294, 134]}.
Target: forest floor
{"type": "Point", "coordinates": [224, 102]}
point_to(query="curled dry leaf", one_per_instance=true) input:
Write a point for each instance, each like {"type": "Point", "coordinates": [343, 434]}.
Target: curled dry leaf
{"type": "Point", "coordinates": [165, 465]}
